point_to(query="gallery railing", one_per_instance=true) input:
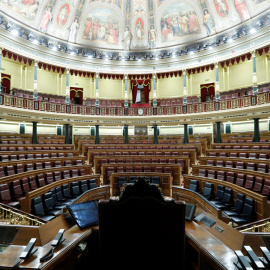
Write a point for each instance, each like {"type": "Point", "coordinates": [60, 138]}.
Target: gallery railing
{"type": "Point", "coordinates": [234, 103]}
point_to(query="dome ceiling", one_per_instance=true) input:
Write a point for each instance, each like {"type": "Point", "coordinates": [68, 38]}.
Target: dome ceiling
{"type": "Point", "coordinates": [132, 24]}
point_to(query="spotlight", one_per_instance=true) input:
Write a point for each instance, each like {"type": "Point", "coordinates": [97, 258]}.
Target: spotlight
{"type": "Point", "coordinates": [218, 42]}
{"type": "Point", "coordinates": [83, 53]}
{"type": "Point", "coordinates": [21, 32]}
{"type": "Point", "coordinates": [168, 54]}
{"type": "Point", "coordinates": [237, 35]}
{"type": "Point", "coordinates": [186, 50]}
{"type": "Point", "coordinates": [134, 57]}
{"type": "Point", "coordinates": [48, 44]}
{"type": "Point", "coordinates": [224, 39]}
{"type": "Point", "coordinates": [252, 30]}
{"type": "Point", "coordinates": [244, 31]}
{"type": "Point", "coordinates": [29, 36]}
{"type": "Point", "coordinates": [94, 54]}
{"type": "Point", "coordinates": [230, 40]}
{"type": "Point", "coordinates": [66, 49]}
{"type": "Point", "coordinates": [59, 47]}
{"type": "Point", "coordinates": [8, 26]}
{"type": "Point", "coordinates": [180, 52]}
{"type": "Point", "coordinates": [15, 32]}
{"type": "Point", "coordinates": [42, 41]}
{"type": "Point", "coordinates": [1, 20]}
{"type": "Point", "coordinates": [260, 24]}
{"type": "Point", "coordinates": [198, 48]}
{"type": "Point", "coordinates": [204, 46]}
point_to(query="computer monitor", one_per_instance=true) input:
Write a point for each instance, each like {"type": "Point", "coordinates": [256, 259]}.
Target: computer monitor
{"type": "Point", "coordinates": [85, 214]}
{"type": "Point", "coordinates": [190, 210]}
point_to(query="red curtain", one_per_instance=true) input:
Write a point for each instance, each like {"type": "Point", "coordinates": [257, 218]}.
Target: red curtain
{"type": "Point", "coordinates": [146, 89]}
{"type": "Point", "coordinates": [6, 80]}
{"type": "Point", "coordinates": [207, 89]}
{"type": "Point", "coordinates": [74, 91]}
{"type": "Point", "coordinates": [134, 87]}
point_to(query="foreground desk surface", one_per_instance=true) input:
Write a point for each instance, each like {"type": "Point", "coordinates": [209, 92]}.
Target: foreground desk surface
{"type": "Point", "coordinates": [203, 249]}
{"type": "Point", "coordinates": [210, 251]}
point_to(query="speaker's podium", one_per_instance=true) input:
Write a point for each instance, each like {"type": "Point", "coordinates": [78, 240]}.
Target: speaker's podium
{"type": "Point", "coordinates": [141, 229]}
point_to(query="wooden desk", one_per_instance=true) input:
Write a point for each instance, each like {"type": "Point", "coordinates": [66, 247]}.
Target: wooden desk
{"type": "Point", "coordinates": [26, 202]}
{"type": "Point", "coordinates": [176, 170]}
{"type": "Point", "coordinates": [143, 147]}
{"type": "Point", "coordinates": [207, 251]}
{"type": "Point", "coordinates": [167, 153]}
{"type": "Point", "coordinates": [262, 208]}
{"type": "Point", "coordinates": [183, 161]}
{"type": "Point", "coordinates": [165, 181]}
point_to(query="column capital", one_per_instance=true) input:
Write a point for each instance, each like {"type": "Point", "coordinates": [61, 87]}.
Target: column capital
{"type": "Point", "coordinates": [126, 76]}
{"type": "Point", "coordinates": [1, 49]}
{"type": "Point", "coordinates": [216, 64]}
{"type": "Point", "coordinates": [97, 75]}
{"type": "Point", "coordinates": [67, 70]}
{"type": "Point", "coordinates": [154, 75]}
{"type": "Point", "coordinates": [36, 62]}
{"type": "Point", "coordinates": [184, 72]}
{"type": "Point", "coordinates": [253, 53]}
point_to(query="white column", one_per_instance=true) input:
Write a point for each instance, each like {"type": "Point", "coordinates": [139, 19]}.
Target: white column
{"type": "Point", "coordinates": [97, 92]}
{"type": "Point", "coordinates": [217, 83]}
{"type": "Point", "coordinates": [185, 87]}
{"type": "Point", "coordinates": [155, 91]}
{"type": "Point", "coordinates": [35, 80]}
{"type": "Point", "coordinates": [67, 86]}
{"type": "Point", "coordinates": [255, 86]}
{"type": "Point", "coordinates": [126, 91]}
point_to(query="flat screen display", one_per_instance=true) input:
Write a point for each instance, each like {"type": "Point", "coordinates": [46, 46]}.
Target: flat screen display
{"type": "Point", "coordinates": [190, 210]}
{"type": "Point", "coordinates": [85, 214]}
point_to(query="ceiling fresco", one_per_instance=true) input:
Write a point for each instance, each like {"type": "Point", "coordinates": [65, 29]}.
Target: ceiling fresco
{"type": "Point", "coordinates": [132, 24]}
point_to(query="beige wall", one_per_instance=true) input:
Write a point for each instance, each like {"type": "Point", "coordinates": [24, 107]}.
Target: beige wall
{"type": "Point", "coordinates": [170, 87]}
{"type": "Point", "coordinates": [230, 78]}
{"type": "Point", "coordinates": [111, 89]}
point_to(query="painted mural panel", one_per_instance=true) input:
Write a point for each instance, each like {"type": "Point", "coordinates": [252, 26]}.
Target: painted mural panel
{"type": "Point", "coordinates": [101, 26]}
{"type": "Point", "coordinates": [26, 8]}
{"type": "Point", "coordinates": [118, 3]}
{"type": "Point", "coordinates": [222, 7]}
{"type": "Point", "coordinates": [178, 20]}
{"type": "Point", "coordinates": [63, 15]}
{"type": "Point", "coordinates": [240, 6]}
{"type": "Point", "coordinates": [46, 19]}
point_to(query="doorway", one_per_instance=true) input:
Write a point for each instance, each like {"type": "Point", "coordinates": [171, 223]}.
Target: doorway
{"type": "Point", "coordinates": [76, 95]}
{"type": "Point", "coordinates": [207, 92]}
{"type": "Point", "coordinates": [5, 83]}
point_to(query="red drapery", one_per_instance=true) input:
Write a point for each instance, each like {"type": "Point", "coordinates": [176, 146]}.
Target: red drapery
{"type": "Point", "coordinates": [207, 88]}
{"type": "Point", "coordinates": [78, 91]}
{"type": "Point", "coordinates": [146, 89]}
{"type": "Point", "coordinates": [6, 81]}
